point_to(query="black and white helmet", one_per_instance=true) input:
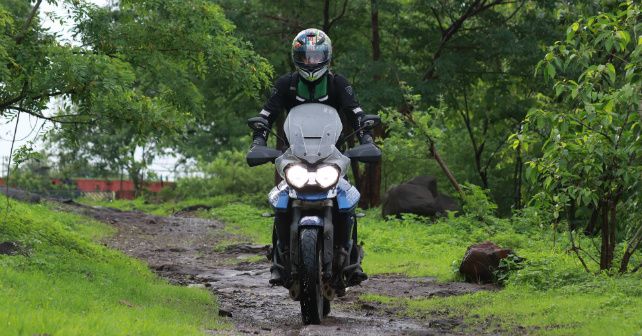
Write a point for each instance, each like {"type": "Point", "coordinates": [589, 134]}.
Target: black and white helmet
{"type": "Point", "coordinates": [311, 53]}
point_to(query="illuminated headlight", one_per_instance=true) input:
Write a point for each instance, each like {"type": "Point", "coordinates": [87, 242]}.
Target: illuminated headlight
{"type": "Point", "coordinates": [296, 175]}
{"type": "Point", "coordinates": [327, 176]}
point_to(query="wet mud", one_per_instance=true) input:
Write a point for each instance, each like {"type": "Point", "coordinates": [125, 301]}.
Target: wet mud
{"type": "Point", "coordinates": [187, 250]}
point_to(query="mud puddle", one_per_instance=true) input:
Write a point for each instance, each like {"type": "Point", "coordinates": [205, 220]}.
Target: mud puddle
{"type": "Point", "coordinates": [186, 250]}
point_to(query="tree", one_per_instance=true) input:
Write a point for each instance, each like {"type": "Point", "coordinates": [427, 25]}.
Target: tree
{"type": "Point", "coordinates": [592, 151]}
{"type": "Point", "coordinates": [140, 66]}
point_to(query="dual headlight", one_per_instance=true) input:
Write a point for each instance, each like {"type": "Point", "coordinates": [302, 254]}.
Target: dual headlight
{"type": "Point", "coordinates": [299, 176]}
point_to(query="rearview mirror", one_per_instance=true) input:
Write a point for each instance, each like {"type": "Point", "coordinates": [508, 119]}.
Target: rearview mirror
{"type": "Point", "coordinates": [366, 153]}
{"type": "Point", "coordinates": [258, 123]}
{"type": "Point", "coordinates": [261, 154]}
{"type": "Point", "coordinates": [370, 121]}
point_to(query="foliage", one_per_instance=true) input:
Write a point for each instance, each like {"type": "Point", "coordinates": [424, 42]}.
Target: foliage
{"type": "Point", "coordinates": [143, 74]}
{"type": "Point", "coordinates": [227, 174]}
{"type": "Point", "coordinates": [66, 283]}
{"type": "Point", "coordinates": [591, 159]}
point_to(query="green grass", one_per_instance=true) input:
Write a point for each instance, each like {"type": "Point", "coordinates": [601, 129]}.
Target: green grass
{"type": "Point", "coordinates": [601, 306]}
{"type": "Point", "coordinates": [550, 295]}
{"type": "Point", "coordinates": [65, 283]}
{"type": "Point", "coordinates": [170, 207]}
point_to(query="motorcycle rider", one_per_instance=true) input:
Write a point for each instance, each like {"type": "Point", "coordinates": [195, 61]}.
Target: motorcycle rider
{"type": "Point", "coordinates": [313, 82]}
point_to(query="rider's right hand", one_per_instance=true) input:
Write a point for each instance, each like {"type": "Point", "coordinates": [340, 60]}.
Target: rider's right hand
{"type": "Point", "coordinates": [258, 141]}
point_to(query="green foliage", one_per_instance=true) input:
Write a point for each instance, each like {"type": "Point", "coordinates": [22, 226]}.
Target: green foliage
{"type": "Point", "coordinates": [476, 202]}
{"type": "Point", "coordinates": [591, 145]}
{"type": "Point", "coordinates": [228, 174]}
{"type": "Point", "coordinates": [66, 283]}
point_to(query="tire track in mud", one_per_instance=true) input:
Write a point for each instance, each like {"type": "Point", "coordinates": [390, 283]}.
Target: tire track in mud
{"type": "Point", "coordinates": [186, 251]}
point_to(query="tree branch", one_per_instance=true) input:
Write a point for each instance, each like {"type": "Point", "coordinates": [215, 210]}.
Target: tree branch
{"type": "Point", "coordinates": [25, 27]}
{"type": "Point", "coordinates": [576, 250]}
{"type": "Point", "coordinates": [475, 8]}
{"type": "Point", "coordinates": [53, 119]}
{"type": "Point", "coordinates": [338, 17]}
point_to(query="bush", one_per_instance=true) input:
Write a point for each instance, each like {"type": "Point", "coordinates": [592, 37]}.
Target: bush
{"type": "Point", "coordinates": [228, 174]}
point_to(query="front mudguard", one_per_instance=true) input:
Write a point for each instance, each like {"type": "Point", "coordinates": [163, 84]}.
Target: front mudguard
{"type": "Point", "coordinates": [324, 223]}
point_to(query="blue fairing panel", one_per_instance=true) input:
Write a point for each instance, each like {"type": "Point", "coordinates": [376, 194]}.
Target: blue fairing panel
{"type": "Point", "coordinates": [279, 198]}
{"type": "Point", "coordinates": [347, 197]}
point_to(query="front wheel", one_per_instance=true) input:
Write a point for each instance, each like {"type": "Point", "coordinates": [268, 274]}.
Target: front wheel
{"type": "Point", "coordinates": [311, 291]}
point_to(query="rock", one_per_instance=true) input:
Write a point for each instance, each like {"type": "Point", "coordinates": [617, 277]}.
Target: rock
{"type": "Point", "coordinates": [247, 248]}
{"type": "Point", "coordinates": [9, 248]}
{"type": "Point", "coordinates": [191, 208]}
{"type": "Point", "coordinates": [428, 182]}
{"type": "Point", "coordinates": [224, 312]}
{"type": "Point", "coordinates": [481, 260]}
{"type": "Point", "coordinates": [20, 195]}
{"type": "Point", "coordinates": [418, 196]}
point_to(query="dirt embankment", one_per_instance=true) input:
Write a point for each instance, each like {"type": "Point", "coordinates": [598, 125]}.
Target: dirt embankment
{"type": "Point", "coordinates": [186, 250]}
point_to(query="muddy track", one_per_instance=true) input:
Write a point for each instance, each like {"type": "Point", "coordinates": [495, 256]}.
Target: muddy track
{"type": "Point", "coordinates": [186, 250]}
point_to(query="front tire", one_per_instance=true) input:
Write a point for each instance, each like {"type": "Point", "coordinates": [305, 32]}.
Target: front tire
{"type": "Point", "coordinates": [312, 307]}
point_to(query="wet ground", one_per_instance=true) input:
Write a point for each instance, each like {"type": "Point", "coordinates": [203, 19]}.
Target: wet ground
{"type": "Point", "coordinates": [188, 250]}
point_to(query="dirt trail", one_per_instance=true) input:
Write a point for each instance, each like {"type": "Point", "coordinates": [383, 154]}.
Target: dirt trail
{"type": "Point", "coordinates": [184, 250]}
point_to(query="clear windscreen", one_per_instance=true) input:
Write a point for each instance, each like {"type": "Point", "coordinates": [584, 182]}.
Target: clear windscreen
{"type": "Point", "coordinates": [312, 131]}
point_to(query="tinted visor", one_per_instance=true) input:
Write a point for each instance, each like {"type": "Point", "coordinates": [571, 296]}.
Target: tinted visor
{"type": "Point", "coordinates": [310, 57]}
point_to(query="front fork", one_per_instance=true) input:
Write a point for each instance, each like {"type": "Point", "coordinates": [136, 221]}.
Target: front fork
{"type": "Point", "coordinates": [300, 218]}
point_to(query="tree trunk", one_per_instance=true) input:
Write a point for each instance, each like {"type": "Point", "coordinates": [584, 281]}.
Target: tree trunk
{"type": "Point", "coordinates": [592, 228]}
{"type": "Point", "coordinates": [326, 16]}
{"type": "Point", "coordinates": [605, 240]}
{"type": "Point", "coordinates": [371, 183]}
{"type": "Point", "coordinates": [280, 145]}
{"type": "Point", "coordinates": [630, 249]}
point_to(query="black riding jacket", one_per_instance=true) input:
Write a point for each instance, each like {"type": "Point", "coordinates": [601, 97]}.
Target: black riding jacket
{"type": "Point", "coordinates": [289, 89]}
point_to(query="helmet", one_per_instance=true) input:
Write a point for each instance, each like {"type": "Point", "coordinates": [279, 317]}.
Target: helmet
{"type": "Point", "coordinates": [311, 53]}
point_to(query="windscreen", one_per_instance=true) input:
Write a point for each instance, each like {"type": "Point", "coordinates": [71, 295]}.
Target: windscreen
{"type": "Point", "coordinates": [312, 131]}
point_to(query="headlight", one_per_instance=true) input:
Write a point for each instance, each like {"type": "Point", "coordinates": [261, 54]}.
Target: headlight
{"type": "Point", "coordinates": [327, 176]}
{"type": "Point", "coordinates": [296, 175]}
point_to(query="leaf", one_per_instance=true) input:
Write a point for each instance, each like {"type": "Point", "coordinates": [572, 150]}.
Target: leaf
{"type": "Point", "coordinates": [575, 26]}
{"type": "Point", "coordinates": [550, 71]}
{"type": "Point", "coordinates": [623, 36]}
{"type": "Point", "coordinates": [610, 70]}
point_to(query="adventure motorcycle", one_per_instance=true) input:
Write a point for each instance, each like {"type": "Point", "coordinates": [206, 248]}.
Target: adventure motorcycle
{"type": "Point", "coordinates": [313, 193]}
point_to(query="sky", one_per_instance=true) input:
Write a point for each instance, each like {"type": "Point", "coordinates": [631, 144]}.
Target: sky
{"type": "Point", "coordinates": [32, 129]}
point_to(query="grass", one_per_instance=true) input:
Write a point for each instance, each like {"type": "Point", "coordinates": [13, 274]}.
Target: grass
{"type": "Point", "coordinates": [550, 294]}
{"type": "Point", "coordinates": [601, 306]}
{"type": "Point", "coordinates": [66, 283]}
{"type": "Point", "coordinates": [170, 207]}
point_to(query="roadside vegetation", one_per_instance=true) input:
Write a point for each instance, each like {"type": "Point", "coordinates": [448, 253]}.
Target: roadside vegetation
{"type": "Point", "coordinates": [547, 293]}
{"type": "Point", "coordinates": [528, 112]}
{"type": "Point", "coordinates": [63, 281]}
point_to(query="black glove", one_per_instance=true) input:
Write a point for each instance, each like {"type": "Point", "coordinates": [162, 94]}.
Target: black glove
{"type": "Point", "coordinates": [366, 139]}
{"type": "Point", "coordinates": [258, 141]}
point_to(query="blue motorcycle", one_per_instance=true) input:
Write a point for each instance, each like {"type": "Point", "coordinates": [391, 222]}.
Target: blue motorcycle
{"type": "Point", "coordinates": [313, 196]}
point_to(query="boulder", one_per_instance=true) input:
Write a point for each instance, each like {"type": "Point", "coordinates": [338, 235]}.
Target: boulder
{"type": "Point", "coordinates": [9, 248]}
{"type": "Point", "coordinates": [417, 196]}
{"type": "Point", "coordinates": [481, 260]}
{"type": "Point", "coordinates": [20, 195]}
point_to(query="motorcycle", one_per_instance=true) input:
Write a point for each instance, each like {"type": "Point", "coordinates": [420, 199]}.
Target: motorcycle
{"type": "Point", "coordinates": [313, 193]}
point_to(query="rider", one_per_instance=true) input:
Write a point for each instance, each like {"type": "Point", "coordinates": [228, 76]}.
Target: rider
{"type": "Point", "coordinates": [313, 82]}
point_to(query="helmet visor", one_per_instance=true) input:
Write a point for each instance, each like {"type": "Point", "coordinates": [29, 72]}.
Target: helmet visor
{"type": "Point", "coordinates": [310, 57]}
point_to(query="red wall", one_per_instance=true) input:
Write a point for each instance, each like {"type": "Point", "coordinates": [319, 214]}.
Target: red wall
{"type": "Point", "coordinates": [89, 185]}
